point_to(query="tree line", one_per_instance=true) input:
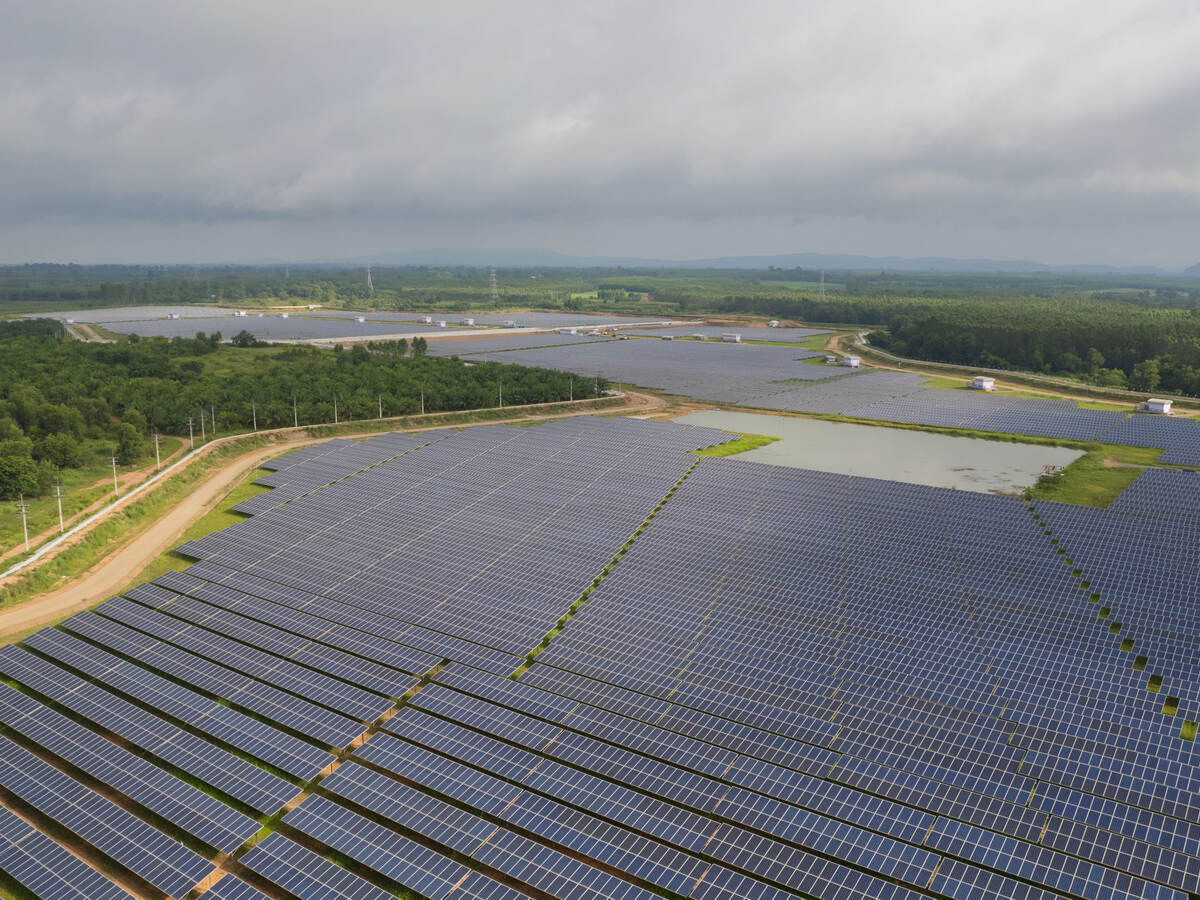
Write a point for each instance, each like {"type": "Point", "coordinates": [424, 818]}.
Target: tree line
{"type": "Point", "coordinates": [66, 403]}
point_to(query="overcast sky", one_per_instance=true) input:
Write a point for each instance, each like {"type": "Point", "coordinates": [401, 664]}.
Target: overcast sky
{"type": "Point", "coordinates": [143, 130]}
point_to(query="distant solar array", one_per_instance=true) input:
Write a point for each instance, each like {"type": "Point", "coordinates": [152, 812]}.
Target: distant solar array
{"type": "Point", "coordinates": [518, 340]}
{"type": "Point", "coordinates": [790, 684]}
{"type": "Point", "coordinates": [271, 327]}
{"type": "Point", "coordinates": [775, 335]}
{"type": "Point", "coordinates": [775, 378]}
{"type": "Point", "coordinates": [724, 373]}
{"type": "Point", "coordinates": [1179, 437]}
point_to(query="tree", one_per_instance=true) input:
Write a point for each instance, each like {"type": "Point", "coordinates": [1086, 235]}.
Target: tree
{"type": "Point", "coordinates": [18, 475]}
{"type": "Point", "coordinates": [245, 339]}
{"type": "Point", "coordinates": [60, 449]}
{"type": "Point", "coordinates": [1145, 376]}
{"type": "Point", "coordinates": [129, 442]}
{"type": "Point", "coordinates": [420, 347]}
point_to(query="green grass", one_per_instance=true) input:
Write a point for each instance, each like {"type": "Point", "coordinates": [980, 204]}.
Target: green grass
{"type": "Point", "coordinates": [741, 445]}
{"type": "Point", "coordinates": [1088, 482]}
{"type": "Point", "coordinates": [81, 488]}
{"type": "Point", "coordinates": [219, 517]}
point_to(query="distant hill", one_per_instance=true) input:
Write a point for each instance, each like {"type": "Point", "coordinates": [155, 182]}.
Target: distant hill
{"type": "Point", "coordinates": [837, 262]}
{"type": "Point", "coordinates": [1193, 270]}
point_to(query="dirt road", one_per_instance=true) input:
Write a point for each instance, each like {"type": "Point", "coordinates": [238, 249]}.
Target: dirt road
{"type": "Point", "coordinates": [114, 572]}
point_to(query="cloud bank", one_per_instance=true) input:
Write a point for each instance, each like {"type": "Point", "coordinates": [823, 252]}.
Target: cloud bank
{"type": "Point", "coordinates": [138, 130]}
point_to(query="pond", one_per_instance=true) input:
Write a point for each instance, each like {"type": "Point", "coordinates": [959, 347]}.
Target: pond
{"type": "Point", "coordinates": [969, 464]}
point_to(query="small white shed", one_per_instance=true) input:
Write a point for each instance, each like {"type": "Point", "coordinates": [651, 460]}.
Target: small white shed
{"type": "Point", "coordinates": [468, 321]}
{"type": "Point", "coordinates": [440, 323]}
{"type": "Point", "coordinates": [983, 383]}
{"type": "Point", "coordinates": [731, 338]}
{"type": "Point", "coordinates": [566, 331]}
{"type": "Point", "coordinates": [852, 362]}
{"type": "Point", "coordinates": [774, 323]}
{"type": "Point", "coordinates": [1162, 407]}
{"type": "Point", "coordinates": [510, 324]}
{"type": "Point", "coordinates": [360, 319]}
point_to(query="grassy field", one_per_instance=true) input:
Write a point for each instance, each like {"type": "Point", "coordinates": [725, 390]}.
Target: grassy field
{"type": "Point", "coordinates": [741, 445]}
{"type": "Point", "coordinates": [1089, 481]}
{"type": "Point", "coordinates": [81, 488]}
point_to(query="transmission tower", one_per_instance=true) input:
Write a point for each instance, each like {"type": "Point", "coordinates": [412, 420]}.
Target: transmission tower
{"type": "Point", "coordinates": [370, 284]}
{"type": "Point", "coordinates": [495, 290]}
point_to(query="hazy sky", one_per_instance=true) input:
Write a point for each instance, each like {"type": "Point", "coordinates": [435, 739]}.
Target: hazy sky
{"type": "Point", "coordinates": [143, 130]}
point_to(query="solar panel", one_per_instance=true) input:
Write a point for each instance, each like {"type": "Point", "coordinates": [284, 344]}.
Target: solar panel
{"type": "Point", "coordinates": [46, 869]}
{"type": "Point", "coordinates": [790, 683]}
{"type": "Point", "coordinates": [160, 860]}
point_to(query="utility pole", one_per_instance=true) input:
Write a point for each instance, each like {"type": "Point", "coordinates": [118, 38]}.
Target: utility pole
{"type": "Point", "coordinates": [380, 396]}
{"type": "Point", "coordinates": [422, 401]}
{"type": "Point", "coordinates": [495, 290]}
{"type": "Point", "coordinates": [572, 394]}
{"type": "Point", "coordinates": [822, 285]}
{"type": "Point", "coordinates": [254, 415]}
{"type": "Point", "coordinates": [23, 509]}
{"type": "Point", "coordinates": [58, 494]}
{"type": "Point", "coordinates": [212, 412]}
{"type": "Point", "coordinates": [116, 491]}
{"type": "Point", "coordinates": [157, 455]}
{"type": "Point", "coordinates": [203, 439]}
{"type": "Point", "coordinates": [295, 415]}
{"type": "Point", "coordinates": [191, 435]}
{"type": "Point", "coordinates": [335, 418]}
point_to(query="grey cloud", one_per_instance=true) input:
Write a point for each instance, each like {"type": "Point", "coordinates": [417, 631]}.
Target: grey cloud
{"type": "Point", "coordinates": [699, 128]}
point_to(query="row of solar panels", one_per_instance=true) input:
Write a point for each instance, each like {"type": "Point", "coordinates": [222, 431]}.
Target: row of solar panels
{"type": "Point", "coordinates": [758, 377]}
{"type": "Point", "coordinates": [793, 682]}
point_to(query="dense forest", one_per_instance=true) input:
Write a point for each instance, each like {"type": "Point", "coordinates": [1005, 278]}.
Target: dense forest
{"type": "Point", "coordinates": [65, 403]}
{"type": "Point", "coordinates": [1119, 330]}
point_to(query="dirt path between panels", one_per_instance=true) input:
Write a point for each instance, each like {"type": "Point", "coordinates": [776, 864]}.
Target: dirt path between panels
{"type": "Point", "coordinates": [113, 572]}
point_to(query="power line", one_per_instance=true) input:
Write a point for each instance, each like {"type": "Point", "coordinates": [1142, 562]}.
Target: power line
{"type": "Point", "coordinates": [23, 509]}
{"type": "Point", "coordinates": [59, 495]}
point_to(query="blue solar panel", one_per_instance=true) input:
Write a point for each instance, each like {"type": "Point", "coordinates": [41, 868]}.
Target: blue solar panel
{"type": "Point", "coordinates": [46, 869]}
{"type": "Point", "coordinates": [158, 859]}
{"type": "Point", "coordinates": [790, 683]}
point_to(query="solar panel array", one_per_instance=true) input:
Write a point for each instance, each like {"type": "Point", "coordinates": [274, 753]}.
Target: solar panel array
{"type": "Point", "coordinates": [790, 684]}
{"type": "Point", "coordinates": [774, 335]}
{"type": "Point", "coordinates": [271, 327]}
{"type": "Point", "coordinates": [517, 340]}
{"type": "Point", "coordinates": [309, 469]}
{"type": "Point", "coordinates": [773, 378]}
{"type": "Point", "coordinates": [1179, 437]}
{"type": "Point", "coordinates": [724, 373]}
